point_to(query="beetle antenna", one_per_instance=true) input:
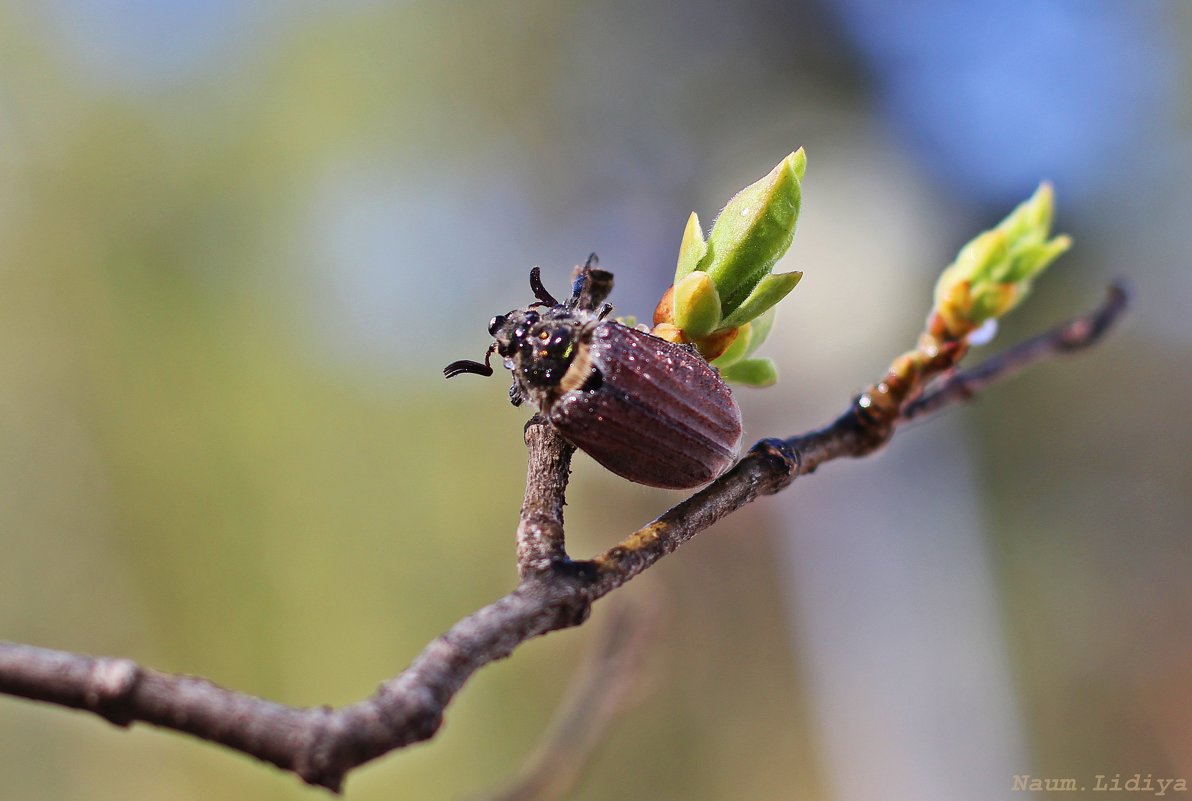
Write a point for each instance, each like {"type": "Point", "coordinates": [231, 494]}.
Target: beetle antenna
{"type": "Point", "coordinates": [539, 290]}
{"type": "Point", "coordinates": [469, 366]}
{"type": "Point", "coordinates": [593, 261]}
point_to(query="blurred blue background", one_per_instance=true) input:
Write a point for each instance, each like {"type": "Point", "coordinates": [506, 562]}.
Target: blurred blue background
{"type": "Point", "coordinates": [239, 241]}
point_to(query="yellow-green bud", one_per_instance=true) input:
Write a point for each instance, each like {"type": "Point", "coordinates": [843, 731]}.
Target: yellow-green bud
{"type": "Point", "coordinates": [993, 273]}
{"type": "Point", "coordinates": [697, 305]}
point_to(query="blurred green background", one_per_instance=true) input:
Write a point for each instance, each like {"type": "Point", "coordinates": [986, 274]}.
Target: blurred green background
{"type": "Point", "coordinates": [239, 241]}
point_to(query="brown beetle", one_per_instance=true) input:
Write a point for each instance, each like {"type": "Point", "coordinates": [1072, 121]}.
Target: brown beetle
{"type": "Point", "coordinates": [649, 410]}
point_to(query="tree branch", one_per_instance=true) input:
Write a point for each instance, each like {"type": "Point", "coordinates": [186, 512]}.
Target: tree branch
{"type": "Point", "coordinates": [540, 529]}
{"type": "Point", "coordinates": [322, 745]}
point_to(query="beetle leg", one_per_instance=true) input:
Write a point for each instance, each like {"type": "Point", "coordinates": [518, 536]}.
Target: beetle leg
{"type": "Point", "coordinates": [516, 396]}
{"type": "Point", "coordinates": [539, 290]}
{"type": "Point", "coordinates": [469, 366]}
{"type": "Point", "coordinates": [605, 310]}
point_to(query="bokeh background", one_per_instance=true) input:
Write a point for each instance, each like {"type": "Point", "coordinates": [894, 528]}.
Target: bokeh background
{"type": "Point", "coordinates": [238, 241]}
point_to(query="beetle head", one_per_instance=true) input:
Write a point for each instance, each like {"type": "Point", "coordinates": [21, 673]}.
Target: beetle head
{"type": "Point", "coordinates": [537, 345]}
{"type": "Point", "coordinates": [540, 342]}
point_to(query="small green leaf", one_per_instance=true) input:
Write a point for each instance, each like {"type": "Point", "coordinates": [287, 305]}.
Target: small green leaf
{"type": "Point", "coordinates": [751, 373]}
{"type": "Point", "coordinates": [750, 338]}
{"type": "Point", "coordinates": [1033, 259]}
{"type": "Point", "coordinates": [798, 161]}
{"type": "Point", "coordinates": [691, 249]}
{"type": "Point", "coordinates": [769, 291]}
{"type": "Point", "coordinates": [981, 257]}
{"type": "Point", "coordinates": [737, 351]}
{"type": "Point", "coordinates": [1032, 217]}
{"type": "Point", "coordinates": [760, 329]}
{"type": "Point", "coordinates": [753, 231]}
{"type": "Point", "coordinates": [697, 305]}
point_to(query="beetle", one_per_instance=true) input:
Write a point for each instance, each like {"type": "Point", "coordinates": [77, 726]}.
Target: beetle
{"type": "Point", "coordinates": [647, 409]}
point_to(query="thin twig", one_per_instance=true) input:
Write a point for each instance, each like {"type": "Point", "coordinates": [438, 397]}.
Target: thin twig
{"type": "Point", "coordinates": [322, 744]}
{"type": "Point", "coordinates": [540, 528]}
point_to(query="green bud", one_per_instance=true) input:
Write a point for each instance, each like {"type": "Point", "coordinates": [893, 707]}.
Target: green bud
{"type": "Point", "coordinates": [697, 305]}
{"type": "Point", "coordinates": [993, 273]}
{"type": "Point", "coordinates": [724, 293]}
{"type": "Point", "coordinates": [753, 231]}
{"type": "Point", "coordinates": [751, 373]}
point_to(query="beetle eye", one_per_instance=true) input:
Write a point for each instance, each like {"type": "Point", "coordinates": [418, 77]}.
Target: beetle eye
{"type": "Point", "coordinates": [494, 325]}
